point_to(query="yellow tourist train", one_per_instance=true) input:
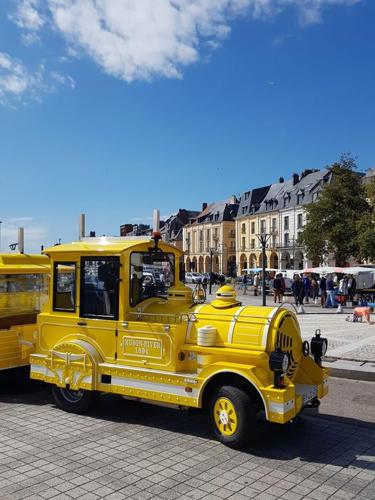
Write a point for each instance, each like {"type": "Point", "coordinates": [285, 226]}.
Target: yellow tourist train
{"type": "Point", "coordinates": [23, 292]}
{"type": "Point", "coordinates": [120, 320]}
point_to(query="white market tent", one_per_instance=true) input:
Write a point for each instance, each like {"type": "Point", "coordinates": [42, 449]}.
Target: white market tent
{"type": "Point", "coordinates": [331, 269]}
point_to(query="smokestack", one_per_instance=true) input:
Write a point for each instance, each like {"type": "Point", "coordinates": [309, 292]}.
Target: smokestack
{"type": "Point", "coordinates": [295, 179]}
{"type": "Point", "coordinates": [204, 206]}
{"type": "Point", "coordinates": [21, 240]}
{"type": "Point", "coordinates": [82, 231]}
{"type": "Point", "coordinates": [156, 220]}
{"type": "Point", "coordinates": [281, 180]}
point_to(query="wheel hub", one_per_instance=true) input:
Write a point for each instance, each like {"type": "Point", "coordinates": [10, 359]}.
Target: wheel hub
{"type": "Point", "coordinates": [225, 416]}
{"type": "Point", "coordinates": [224, 419]}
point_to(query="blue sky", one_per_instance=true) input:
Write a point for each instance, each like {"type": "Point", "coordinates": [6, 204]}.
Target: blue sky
{"type": "Point", "coordinates": [115, 107]}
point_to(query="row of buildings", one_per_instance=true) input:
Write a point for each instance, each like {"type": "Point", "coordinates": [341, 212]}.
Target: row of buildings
{"type": "Point", "coordinates": [225, 234]}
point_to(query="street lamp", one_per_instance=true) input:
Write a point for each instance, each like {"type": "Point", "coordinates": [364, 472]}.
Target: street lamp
{"type": "Point", "coordinates": [212, 251]}
{"type": "Point", "coordinates": [0, 233]}
{"type": "Point", "coordinates": [263, 240]}
{"type": "Point", "coordinates": [187, 243]}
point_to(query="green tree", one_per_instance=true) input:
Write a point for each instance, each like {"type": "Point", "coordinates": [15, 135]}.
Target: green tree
{"type": "Point", "coordinates": [366, 225]}
{"type": "Point", "coordinates": [333, 221]}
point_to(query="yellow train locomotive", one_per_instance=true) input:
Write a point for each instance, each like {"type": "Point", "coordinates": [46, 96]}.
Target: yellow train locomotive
{"type": "Point", "coordinates": [120, 320]}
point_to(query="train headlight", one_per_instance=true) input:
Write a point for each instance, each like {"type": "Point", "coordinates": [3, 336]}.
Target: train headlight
{"type": "Point", "coordinates": [279, 364]}
{"type": "Point", "coordinates": [319, 346]}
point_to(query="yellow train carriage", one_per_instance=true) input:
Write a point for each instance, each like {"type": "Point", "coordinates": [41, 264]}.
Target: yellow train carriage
{"type": "Point", "coordinates": [23, 292]}
{"type": "Point", "coordinates": [121, 321]}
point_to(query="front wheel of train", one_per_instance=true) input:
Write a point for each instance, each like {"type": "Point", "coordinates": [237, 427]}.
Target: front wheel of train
{"type": "Point", "coordinates": [233, 417]}
{"type": "Point", "coordinates": [74, 401]}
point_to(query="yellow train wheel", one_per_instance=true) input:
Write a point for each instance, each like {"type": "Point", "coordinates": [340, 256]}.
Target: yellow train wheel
{"type": "Point", "coordinates": [233, 416]}
{"type": "Point", "coordinates": [225, 416]}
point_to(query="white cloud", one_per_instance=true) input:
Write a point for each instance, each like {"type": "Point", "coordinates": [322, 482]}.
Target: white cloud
{"type": "Point", "coordinates": [17, 83]}
{"type": "Point", "coordinates": [63, 79]}
{"type": "Point", "coordinates": [27, 15]}
{"type": "Point", "coordinates": [30, 38]}
{"type": "Point", "coordinates": [142, 39]}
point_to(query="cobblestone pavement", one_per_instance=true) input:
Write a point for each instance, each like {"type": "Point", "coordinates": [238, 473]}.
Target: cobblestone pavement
{"type": "Point", "coordinates": [130, 450]}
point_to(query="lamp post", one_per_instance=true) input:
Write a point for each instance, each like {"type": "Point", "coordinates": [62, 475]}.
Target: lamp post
{"type": "Point", "coordinates": [187, 243]}
{"type": "Point", "coordinates": [0, 233]}
{"type": "Point", "coordinates": [263, 240]}
{"type": "Point", "coordinates": [212, 251]}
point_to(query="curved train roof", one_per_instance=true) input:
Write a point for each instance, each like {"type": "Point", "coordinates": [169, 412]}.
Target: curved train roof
{"type": "Point", "coordinates": [19, 263]}
{"type": "Point", "coordinates": [108, 245]}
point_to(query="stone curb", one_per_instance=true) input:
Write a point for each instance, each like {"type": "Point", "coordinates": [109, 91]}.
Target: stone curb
{"type": "Point", "coordinates": [355, 370]}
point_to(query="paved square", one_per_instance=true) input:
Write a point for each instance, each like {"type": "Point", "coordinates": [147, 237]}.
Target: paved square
{"type": "Point", "coordinates": [130, 450]}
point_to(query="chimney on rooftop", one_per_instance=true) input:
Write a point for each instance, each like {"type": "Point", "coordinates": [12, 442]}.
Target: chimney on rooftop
{"type": "Point", "coordinates": [281, 180]}
{"type": "Point", "coordinates": [204, 206]}
{"type": "Point", "coordinates": [295, 179]}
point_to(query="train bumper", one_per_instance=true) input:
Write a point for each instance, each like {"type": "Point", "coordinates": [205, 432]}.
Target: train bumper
{"type": "Point", "coordinates": [282, 405]}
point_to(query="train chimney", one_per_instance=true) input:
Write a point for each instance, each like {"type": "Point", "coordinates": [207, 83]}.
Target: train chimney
{"type": "Point", "coordinates": [82, 231]}
{"type": "Point", "coordinates": [156, 221]}
{"type": "Point", "coordinates": [21, 240]}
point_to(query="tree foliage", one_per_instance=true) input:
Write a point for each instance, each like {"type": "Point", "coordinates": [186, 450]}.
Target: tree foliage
{"type": "Point", "coordinates": [366, 225]}
{"type": "Point", "coordinates": [334, 221]}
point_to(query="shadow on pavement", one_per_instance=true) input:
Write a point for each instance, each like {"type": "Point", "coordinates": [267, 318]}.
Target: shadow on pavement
{"type": "Point", "coordinates": [312, 437]}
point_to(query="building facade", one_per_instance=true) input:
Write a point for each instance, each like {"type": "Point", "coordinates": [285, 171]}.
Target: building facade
{"type": "Point", "coordinates": [278, 211]}
{"type": "Point", "coordinates": [172, 230]}
{"type": "Point", "coordinates": [209, 240]}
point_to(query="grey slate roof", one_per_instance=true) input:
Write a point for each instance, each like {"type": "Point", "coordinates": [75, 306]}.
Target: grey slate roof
{"type": "Point", "coordinates": [297, 191]}
{"type": "Point", "coordinates": [218, 212]}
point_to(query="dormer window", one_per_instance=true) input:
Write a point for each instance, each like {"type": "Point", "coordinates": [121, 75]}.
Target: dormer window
{"type": "Point", "coordinates": [315, 196]}
{"type": "Point", "coordinates": [300, 196]}
{"type": "Point", "coordinates": [286, 199]}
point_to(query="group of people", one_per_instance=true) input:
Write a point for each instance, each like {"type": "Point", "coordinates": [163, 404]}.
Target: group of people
{"type": "Point", "coordinates": [327, 288]}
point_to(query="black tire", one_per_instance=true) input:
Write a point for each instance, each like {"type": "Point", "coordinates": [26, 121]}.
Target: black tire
{"type": "Point", "coordinates": [74, 401]}
{"type": "Point", "coordinates": [245, 416]}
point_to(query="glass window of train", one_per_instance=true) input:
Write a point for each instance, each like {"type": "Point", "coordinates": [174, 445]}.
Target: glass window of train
{"type": "Point", "coordinates": [64, 286]}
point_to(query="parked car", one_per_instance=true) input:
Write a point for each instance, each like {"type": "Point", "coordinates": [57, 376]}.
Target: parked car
{"type": "Point", "coordinates": [191, 277]}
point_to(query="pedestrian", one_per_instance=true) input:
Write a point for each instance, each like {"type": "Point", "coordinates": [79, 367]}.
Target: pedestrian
{"type": "Point", "coordinates": [204, 284]}
{"type": "Point", "coordinates": [323, 290]}
{"type": "Point", "coordinates": [244, 283]}
{"type": "Point", "coordinates": [314, 289]}
{"type": "Point", "coordinates": [343, 289]}
{"type": "Point", "coordinates": [330, 302]}
{"type": "Point", "coordinates": [352, 285]}
{"type": "Point", "coordinates": [256, 284]}
{"type": "Point", "coordinates": [298, 290]}
{"type": "Point", "coordinates": [277, 288]}
{"type": "Point", "coordinates": [306, 287]}
{"type": "Point", "coordinates": [363, 312]}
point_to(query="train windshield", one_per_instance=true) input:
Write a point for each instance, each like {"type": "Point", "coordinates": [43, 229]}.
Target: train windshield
{"type": "Point", "coordinates": [151, 274]}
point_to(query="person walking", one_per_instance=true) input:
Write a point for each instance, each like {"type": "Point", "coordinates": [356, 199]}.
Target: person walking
{"type": "Point", "coordinates": [352, 286]}
{"type": "Point", "coordinates": [330, 302]}
{"type": "Point", "coordinates": [244, 283]}
{"type": "Point", "coordinates": [315, 290]}
{"type": "Point", "coordinates": [343, 290]}
{"type": "Point", "coordinates": [306, 287]}
{"type": "Point", "coordinates": [323, 291]}
{"type": "Point", "coordinates": [256, 284]}
{"type": "Point", "coordinates": [298, 290]}
{"type": "Point", "coordinates": [277, 288]}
